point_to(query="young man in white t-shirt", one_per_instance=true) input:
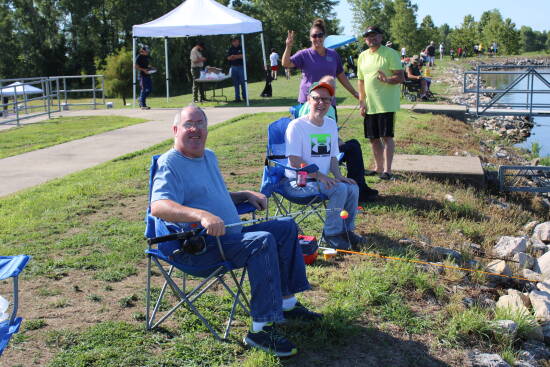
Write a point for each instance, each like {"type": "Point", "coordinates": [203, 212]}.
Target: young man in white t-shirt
{"type": "Point", "coordinates": [274, 61]}
{"type": "Point", "coordinates": [313, 139]}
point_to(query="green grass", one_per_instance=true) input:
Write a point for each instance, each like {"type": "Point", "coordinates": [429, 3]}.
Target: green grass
{"type": "Point", "coordinates": [56, 131]}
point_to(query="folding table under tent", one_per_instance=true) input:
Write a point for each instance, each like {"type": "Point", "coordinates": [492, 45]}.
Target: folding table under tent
{"type": "Point", "coordinates": [197, 18]}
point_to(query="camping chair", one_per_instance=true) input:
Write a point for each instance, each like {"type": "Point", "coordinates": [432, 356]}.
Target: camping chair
{"type": "Point", "coordinates": [163, 246]}
{"type": "Point", "coordinates": [11, 267]}
{"type": "Point", "coordinates": [410, 89]}
{"type": "Point", "coordinates": [274, 172]}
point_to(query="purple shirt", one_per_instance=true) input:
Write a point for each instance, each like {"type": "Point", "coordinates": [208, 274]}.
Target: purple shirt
{"type": "Point", "coordinates": [314, 67]}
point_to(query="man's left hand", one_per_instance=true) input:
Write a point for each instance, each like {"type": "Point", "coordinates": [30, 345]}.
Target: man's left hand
{"type": "Point", "coordinates": [257, 199]}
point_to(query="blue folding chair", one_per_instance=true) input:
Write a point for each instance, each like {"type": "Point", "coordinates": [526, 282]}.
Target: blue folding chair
{"type": "Point", "coordinates": [274, 172]}
{"type": "Point", "coordinates": [11, 267]}
{"type": "Point", "coordinates": [164, 243]}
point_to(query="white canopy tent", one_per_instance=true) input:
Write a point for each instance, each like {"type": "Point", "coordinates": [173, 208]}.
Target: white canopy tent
{"type": "Point", "coordinates": [19, 89]}
{"type": "Point", "coordinates": [198, 18]}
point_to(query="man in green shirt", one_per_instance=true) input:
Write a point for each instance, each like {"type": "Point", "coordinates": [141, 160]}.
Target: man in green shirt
{"type": "Point", "coordinates": [379, 74]}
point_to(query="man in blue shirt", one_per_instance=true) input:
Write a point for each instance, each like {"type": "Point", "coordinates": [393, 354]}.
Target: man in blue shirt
{"type": "Point", "coordinates": [235, 58]}
{"type": "Point", "coordinates": [188, 189]}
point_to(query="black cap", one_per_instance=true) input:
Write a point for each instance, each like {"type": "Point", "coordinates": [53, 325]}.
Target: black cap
{"type": "Point", "coordinates": [145, 48]}
{"type": "Point", "coordinates": [372, 29]}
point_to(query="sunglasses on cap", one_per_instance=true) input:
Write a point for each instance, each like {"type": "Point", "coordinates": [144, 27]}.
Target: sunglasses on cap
{"type": "Point", "coordinates": [317, 35]}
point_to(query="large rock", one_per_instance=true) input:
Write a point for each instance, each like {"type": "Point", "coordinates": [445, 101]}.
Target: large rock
{"type": "Point", "coordinates": [537, 248]}
{"type": "Point", "coordinates": [508, 246]}
{"type": "Point", "coordinates": [534, 351]}
{"type": "Point", "coordinates": [512, 302]}
{"type": "Point", "coordinates": [443, 252]}
{"type": "Point", "coordinates": [541, 304]}
{"type": "Point", "coordinates": [542, 265]}
{"type": "Point", "coordinates": [544, 286]}
{"type": "Point", "coordinates": [542, 232]}
{"type": "Point", "coordinates": [499, 267]}
{"type": "Point", "coordinates": [507, 327]}
{"type": "Point", "coordinates": [532, 276]}
{"type": "Point", "coordinates": [530, 226]}
{"type": "Point", "coordinates": [535, 333]}
{"type": "Point", "coordinates": [524, 261]}
{"type": "Point", "coordinates": [487, 360]}
{"type": "Point", "coordinates": [546, 332]}
{"type": "Point", "coordinates": [523, 296]}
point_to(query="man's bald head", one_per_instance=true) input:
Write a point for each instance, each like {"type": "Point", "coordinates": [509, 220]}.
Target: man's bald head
{"type": "Point", "coordinates": [190, 131]}
{"type": "Point", "coordinates": [185, 112]}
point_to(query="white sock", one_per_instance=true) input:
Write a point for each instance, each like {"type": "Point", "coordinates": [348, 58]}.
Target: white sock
{"type": "Point", "coordinates": [289, 303]}
{"type": "Point", "coordinates": [258, 326]}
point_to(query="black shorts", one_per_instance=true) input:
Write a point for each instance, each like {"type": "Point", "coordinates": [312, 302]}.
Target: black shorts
{"type": "Point", "coordinates": [379, 125]}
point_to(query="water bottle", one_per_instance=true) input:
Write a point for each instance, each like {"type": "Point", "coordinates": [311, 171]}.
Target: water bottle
{"type": "Point", "coordinates": [301, 176]}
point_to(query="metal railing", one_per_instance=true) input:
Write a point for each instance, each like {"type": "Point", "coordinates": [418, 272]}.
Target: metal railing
{"type": "Point", "coordinates": [524, 178]}
{"type": "Point", "coordinates": [528, 74]}
{"type": "Point", "coordinates": [24, 98]}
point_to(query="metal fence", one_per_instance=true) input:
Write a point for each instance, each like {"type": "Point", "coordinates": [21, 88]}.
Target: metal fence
{"type": "Point", "coordinates": [527, 74]}
{"type": "Point", "coordinates": [24, 98]}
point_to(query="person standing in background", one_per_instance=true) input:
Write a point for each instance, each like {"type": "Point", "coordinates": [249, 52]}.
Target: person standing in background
{"type": "Point", "coordinates": [197, 64]}
{"type": "Point", "coordinates": [145, 82]}
{"type": "Point", "coordinates": [403, 53]}
{"type": "Point", "coordinates": [379, 75]}
{"type": "Point", "coordinates": [235, 58]}
{"type": "Point", "coordinates": [441, 51]}
{"type": "Point", "coordinates": [274, 61]}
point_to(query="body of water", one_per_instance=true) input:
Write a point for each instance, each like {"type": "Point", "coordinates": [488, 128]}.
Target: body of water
{"type": "Point", "coordinates": [540, 134]}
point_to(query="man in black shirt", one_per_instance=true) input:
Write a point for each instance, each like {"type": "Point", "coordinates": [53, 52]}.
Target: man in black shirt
{"type": "Point", "coordinates": [430, 51]}
{"type": "Point", "coordinates": [145, 83]}
{"type": "Point", "coordinates": [235, 58]}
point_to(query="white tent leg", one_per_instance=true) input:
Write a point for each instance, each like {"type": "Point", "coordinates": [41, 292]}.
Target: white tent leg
{"type": "Point", "coordinates": [167, 71]}
{"type": "Point", "coordinates": [134, 71]}
{"type": "Point", "coordinates": [263, 50]}
{"type": "Point", "coordinates": [245, 73]}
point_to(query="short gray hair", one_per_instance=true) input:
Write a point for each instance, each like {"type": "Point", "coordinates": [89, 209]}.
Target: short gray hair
{"type": "Point", "coordinates": [177, 117]}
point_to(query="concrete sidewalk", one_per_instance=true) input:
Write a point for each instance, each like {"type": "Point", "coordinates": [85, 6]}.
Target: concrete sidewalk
{"type": "Point", "coordinates": [36, 167]}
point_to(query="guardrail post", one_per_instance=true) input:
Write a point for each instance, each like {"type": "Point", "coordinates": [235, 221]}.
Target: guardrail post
{"type": "Point", "coordinates": [93, 90]}
{"type": "Point", "coordinates": [103, 89]}
{"type": "Point", "coordinates": [48, 92]}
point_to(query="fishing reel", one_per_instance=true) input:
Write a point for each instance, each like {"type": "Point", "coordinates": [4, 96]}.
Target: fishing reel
{"type": "Point", "coordinates": [191, 242]}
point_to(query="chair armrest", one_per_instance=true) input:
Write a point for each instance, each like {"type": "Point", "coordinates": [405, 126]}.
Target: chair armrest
{"type": "Point", "coordinates": [311, 168]}
{"type": "Point", "coordinates": [245, 208]}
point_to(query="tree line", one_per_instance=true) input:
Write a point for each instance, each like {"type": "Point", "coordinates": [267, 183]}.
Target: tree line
{"type": "Point", "coordinates": [398, 18]}
{"type": "Point", "coordinates": [70, 37]}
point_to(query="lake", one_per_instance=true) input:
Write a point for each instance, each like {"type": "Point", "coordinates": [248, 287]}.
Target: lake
{"type": "Point", "coordinates": [541, 132]}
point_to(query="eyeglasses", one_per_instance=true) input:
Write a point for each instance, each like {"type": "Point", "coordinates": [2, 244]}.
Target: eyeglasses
{"type": "Point", "coordinates": [317, 35]}
{"type": "Point", "coordinates": [318, 99]}
{"type": "Point", "coordinates": [196, 124]}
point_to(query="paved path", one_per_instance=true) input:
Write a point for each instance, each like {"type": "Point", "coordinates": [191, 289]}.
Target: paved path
{"type": "Point", "coordinates": [36, 167]}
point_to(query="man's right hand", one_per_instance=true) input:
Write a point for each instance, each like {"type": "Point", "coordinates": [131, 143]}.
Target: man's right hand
{"type": "Point", "coordinates": [362, 108]}
{"type": "Point", "coordinates": [213, 224]}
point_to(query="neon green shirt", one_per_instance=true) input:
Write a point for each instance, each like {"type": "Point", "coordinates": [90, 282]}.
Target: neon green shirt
{"type": "Point", "coordinates": [380, 97]}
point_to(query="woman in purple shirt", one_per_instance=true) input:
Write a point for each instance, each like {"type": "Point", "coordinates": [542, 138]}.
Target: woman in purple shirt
{"type": "Point", "coordinates": [315, 62]}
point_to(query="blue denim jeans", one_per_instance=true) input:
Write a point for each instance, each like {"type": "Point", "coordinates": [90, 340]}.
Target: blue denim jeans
{"type": "Point", "coordinates": [274, 260]}
{"type": "Point", "coordinates": [237, 74]}
{"type": "Point", "coordinates": [146, 85]}
{"type": "Point", "coordinates": [340, 196]}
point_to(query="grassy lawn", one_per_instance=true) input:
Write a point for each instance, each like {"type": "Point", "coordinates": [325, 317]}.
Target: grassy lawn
{"type": "Point", "coordinates": [83, 292]}
{"type": "Point", "coordinates": [55, 131]}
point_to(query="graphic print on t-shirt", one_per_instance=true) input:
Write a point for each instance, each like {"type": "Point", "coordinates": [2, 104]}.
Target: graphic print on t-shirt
{"type": "Point", "coordinates": [320, 145]}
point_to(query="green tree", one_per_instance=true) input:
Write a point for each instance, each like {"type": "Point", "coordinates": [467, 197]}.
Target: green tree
{"type": "Point", "coordinates": [528, 39]}
{"type": "Point", "coordinates": [372, 12]}
{"type": "Point", "coordinates": [403, 26]}
{"type": "Point", "coordinates": [492, 27]}
{"type": "Point", "coordinates": [9, 63]}
{"type": "Point", "coordinates": [444, 32]}
{"type": "Point", "coordinates": [466, 35]}
{"type": "Point", "coordinates": [428, 31]}
{"type": "Point", "coordinates": [118, 74]}
{"type": "Point", "coordinates": [509, 38]}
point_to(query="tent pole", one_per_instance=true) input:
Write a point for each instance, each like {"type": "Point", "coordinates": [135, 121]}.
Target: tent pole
{"type": "Point", "coordinates": [245, 73]}
{"type": "Point", "coordinates": [167, 71]}
{"type": "Point", "coordinates": [133, 71]}
{"type": "Point", "coordinates": [263, 49]}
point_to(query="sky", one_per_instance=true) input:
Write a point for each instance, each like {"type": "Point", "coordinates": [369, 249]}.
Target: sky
{"type": "Point", "coordinates": [532, 13]}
